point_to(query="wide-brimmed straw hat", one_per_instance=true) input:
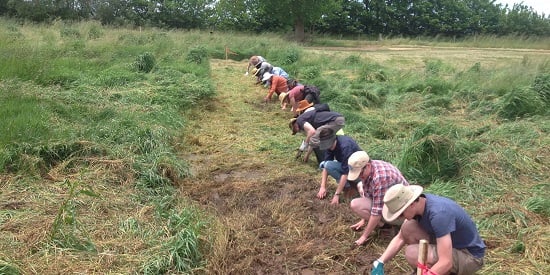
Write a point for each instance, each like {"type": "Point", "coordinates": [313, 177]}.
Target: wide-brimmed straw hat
{"type": "Point", "coordinates": [398, 198]}
{"type": "Point", "coordinates": [303, 105]}
{"type": "Point", "coordinates": [282, 97]}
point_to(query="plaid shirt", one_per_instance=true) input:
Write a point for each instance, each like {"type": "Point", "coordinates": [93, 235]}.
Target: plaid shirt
{"type": "Point", "coordinates": [382, 176]}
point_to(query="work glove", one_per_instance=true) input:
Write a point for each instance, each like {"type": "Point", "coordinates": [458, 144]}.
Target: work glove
{"type": "Point", "coordinates": [378, 268]}
{"type": "Point", "coordinates": [303, 146]}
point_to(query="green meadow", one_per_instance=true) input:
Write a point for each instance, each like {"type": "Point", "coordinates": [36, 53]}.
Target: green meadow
{"type": "Point", "coordinates": [102, 131]}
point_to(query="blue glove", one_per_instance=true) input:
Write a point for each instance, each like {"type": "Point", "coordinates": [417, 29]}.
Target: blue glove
{"type": "Point", "coordinates": [378, 268]}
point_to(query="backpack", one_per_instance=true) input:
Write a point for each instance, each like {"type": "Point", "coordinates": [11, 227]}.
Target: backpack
{"type": "Point", "coordinates": [321, 107]}
{"type": "Point", "coordinates": [313, 92]}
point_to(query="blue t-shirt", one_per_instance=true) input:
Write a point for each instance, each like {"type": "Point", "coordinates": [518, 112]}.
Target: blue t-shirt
{"type": "Point", "coordinates": [443, 216]}
{"type": "Point", "coordinates": [345, 146]}
{"type": "Point", "coordinates": [279, 71]}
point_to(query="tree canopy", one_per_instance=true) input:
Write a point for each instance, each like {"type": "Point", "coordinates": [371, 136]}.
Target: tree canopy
{"type": "Point", "coordinates": [341, 17]}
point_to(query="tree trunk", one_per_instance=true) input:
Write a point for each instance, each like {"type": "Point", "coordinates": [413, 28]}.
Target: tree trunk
{"type": "Point", "coordinates": [299, 29]}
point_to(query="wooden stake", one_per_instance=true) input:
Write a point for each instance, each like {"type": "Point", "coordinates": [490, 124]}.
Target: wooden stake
{"type": "Point", "coordinates": [422, 255]}
{"type": "Point", "coordinates": [228, 52]}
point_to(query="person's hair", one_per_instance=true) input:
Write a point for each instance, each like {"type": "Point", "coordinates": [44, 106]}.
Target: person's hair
{"type": "Point", "coordinates": [254, 60]}
{"type": "Point", "coordinates": [291, 83]}
{"type": "Point", "coordinates": [419, 196]}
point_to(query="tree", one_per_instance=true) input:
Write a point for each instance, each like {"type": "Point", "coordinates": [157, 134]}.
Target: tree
{"type": "Point", "coordinates": [188, 14]}
{"type": "Point", "coordinates": [236, 15]}
{"type": "Point", "coordinates": [110, 12]}
{"type": "Point", "coordinates": [346, 19]}
{"type": "Point", "coordinates": [297, 13]}
{"type": "Point", "coordinates": [522, 19]}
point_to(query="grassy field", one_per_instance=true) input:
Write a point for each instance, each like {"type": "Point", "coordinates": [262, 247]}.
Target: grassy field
{"type": "Point", "coordinates": [145, 151]}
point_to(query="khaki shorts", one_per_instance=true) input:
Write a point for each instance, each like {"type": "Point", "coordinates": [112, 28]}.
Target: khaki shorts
{"type": "Point", "coordinates": [464, 263]}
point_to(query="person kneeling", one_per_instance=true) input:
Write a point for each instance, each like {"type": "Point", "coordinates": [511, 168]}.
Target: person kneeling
{"type": "Point", "coordinates": [455, 244]}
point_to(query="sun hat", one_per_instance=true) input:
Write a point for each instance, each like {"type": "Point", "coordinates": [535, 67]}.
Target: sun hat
{"type": "Point", "coordinates": [326, 138]}
{"type": "Point", "coordinates": [266, 76]}
{"type": "Point", "coordinates": [398, 198]}
{"type": "Point", "coordinates": [356, 162]}
{"type": "Point", "coordinates": [282, 97]}
{"type": "Point", "coordinates": [303, 105]}
{"type": "Point", "coordinates": [291, 126]}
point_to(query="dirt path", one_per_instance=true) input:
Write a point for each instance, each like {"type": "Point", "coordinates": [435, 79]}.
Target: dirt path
{"type": "Point", "coordinates": [242, 157]}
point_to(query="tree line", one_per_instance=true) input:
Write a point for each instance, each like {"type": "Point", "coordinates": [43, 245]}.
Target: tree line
{"type": "Point", "coordinates": [453, 18]}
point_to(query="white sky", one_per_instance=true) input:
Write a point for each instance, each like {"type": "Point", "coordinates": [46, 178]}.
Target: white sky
{"type": "Point", "coordinates": [540, 6]}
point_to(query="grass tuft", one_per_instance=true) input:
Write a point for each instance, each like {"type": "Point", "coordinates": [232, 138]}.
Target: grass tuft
{"type": "Point", "coordinates": [7, 268]}
{"type": "Point", "coordinates": [145, 62]}
{"type": "Point", "coordinates": [523, 102]}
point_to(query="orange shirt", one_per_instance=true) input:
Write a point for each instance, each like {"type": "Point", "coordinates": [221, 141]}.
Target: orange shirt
{"type": "Point", "coordinates": [278, 85]}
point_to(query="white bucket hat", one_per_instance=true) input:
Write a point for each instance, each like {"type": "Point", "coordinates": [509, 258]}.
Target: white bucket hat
{"type": "Point", "coordinates": [266, 76]}
{"type": "Point", "coordinates": [398, 198]}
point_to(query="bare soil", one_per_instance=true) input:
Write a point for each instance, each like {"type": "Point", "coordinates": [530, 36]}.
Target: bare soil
{"type": "Point", "coordinates": [265, 200]}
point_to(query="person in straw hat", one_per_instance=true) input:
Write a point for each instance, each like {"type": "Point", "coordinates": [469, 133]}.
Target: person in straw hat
{"type": "Point", "coordinates": [372, 178]}
{"type": "Point", "coordinates": [455, 244]}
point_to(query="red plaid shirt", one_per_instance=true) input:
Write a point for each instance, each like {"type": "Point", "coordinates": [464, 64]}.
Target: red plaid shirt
{"type": "Point", "coordinates": [382, 176]}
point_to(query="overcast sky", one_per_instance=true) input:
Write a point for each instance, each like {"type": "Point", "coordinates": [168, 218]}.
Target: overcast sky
{"type": "Point", "coordinates": [540, 6]}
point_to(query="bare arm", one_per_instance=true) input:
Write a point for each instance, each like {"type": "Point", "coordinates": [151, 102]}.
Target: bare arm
{"type": "Point", "coordinates": [310, 131]}
{"type": "Point", "coordinates": [340, 188]}
{"type": "Point", "coordinates": [393, 248]}
{"type": "Point", "coordinates": [323, 189]}
{"type": "Point", "coordinates": [371, 225]}
{"type": "Point", "coordinates": [445, 254]}
{"type": "Point", "coordinates": [270, 92]}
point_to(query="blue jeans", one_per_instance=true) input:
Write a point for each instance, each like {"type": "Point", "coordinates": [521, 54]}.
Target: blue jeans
{"type": "Point", "coordinates": [334, 169]}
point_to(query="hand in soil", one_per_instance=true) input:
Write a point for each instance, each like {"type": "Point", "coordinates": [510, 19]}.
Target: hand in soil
{"type": "Point", "coordinates": [361, 241]}
{"type": "Point", "coordinates": [358, 226]}
{"type": "Point", "coordinates": [322, 193]}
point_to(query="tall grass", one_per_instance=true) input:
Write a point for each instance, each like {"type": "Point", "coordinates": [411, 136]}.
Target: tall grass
{"type": "Point", "coordinates": [82, 102]}
{"type": "Point", "coordinates": [108, 107]}
{"type": "Point", "coordinates": [181, 250]}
